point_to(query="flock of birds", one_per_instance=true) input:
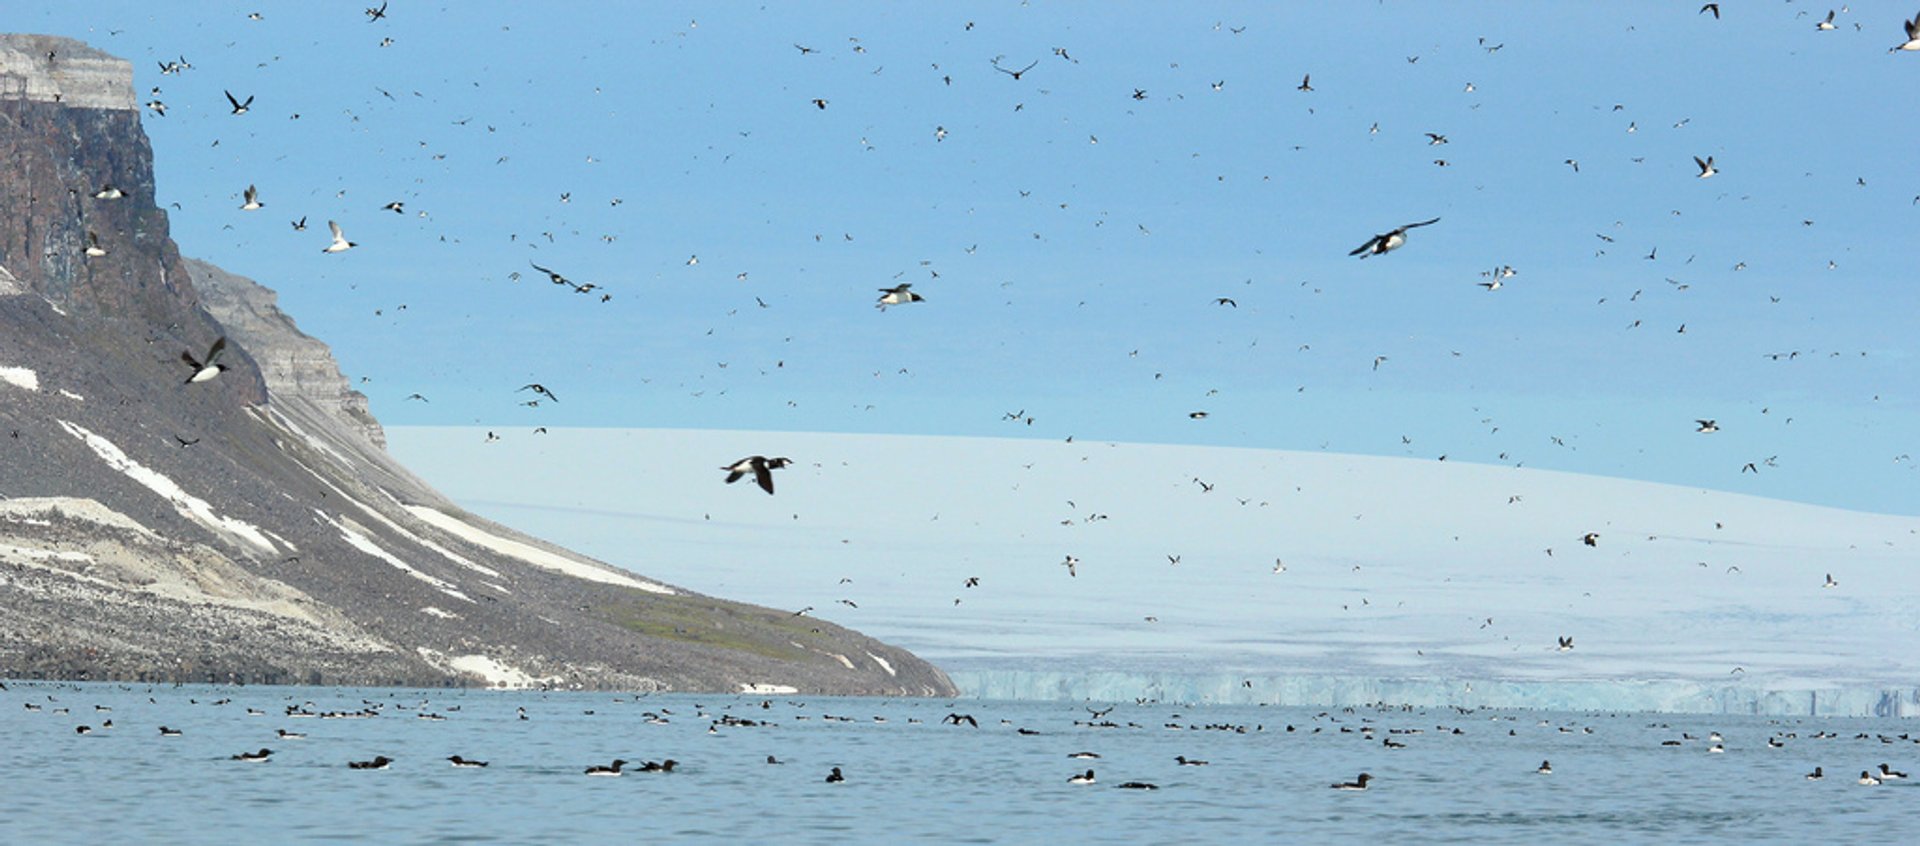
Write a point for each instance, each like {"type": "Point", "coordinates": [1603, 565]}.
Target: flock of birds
{"type": "Point", "coordinates": [1385, 728]}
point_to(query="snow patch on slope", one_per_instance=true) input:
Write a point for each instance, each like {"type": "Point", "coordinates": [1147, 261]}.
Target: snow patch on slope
{"type": "Point", "coordinates": [532, 555]}
{"type": "Point", "coordinates": [189, 506]}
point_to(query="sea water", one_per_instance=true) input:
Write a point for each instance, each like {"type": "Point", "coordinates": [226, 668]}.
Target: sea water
{"type": "Point", "coordinates": [912, 775]}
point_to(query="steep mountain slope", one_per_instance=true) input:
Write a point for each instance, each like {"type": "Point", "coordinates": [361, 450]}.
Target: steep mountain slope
{"type": "Point", "coordinates": [252, 527]}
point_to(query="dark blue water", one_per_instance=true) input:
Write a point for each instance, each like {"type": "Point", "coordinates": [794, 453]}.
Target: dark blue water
{"type": "Point", "coordinates": [911, 777]}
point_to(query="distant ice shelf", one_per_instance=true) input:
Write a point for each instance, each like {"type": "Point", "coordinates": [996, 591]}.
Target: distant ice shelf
{"type": "Point", "coordinates": [1222, 687]}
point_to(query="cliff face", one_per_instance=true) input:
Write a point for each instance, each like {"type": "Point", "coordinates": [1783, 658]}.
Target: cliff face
{"type": "Point", "coordinates": [252, 527]}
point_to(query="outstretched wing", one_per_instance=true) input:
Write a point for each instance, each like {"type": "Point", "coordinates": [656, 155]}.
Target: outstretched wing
{"type": "Point", "coordinates": [1421, 223]}
{"type": "Point", "coordinates": [214, 352]}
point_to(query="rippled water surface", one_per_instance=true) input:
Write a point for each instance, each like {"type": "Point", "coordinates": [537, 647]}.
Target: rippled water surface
{"type": "Point", "coordinates": [910, 777]}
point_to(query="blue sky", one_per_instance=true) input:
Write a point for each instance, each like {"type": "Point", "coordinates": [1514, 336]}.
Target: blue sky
{"type": "Point", "coordinates": [1081, 235]}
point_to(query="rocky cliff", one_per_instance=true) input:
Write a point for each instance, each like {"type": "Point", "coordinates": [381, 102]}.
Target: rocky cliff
{"type": "Point", "coordinates": [252, 527]}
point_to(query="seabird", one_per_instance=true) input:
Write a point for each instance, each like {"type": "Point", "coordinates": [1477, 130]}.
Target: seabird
{"type": "Point", "coordinates": [1826, 25]}
{"type": "Point", "coordinates": [1388, 242]}
{"type": "Point", "coordinates": [1707, 427]}
{"type": "Point", "coordinates": [108, 193]}
{"type": "Point", "coordinates": [1566, 644]}
{"type": "Point", "coordinates": [1435, 139]}
{"type": "Point", "coordinates": [169, 732]}
{"type": "Point", "coordinates": [253, 199]}
{"type": "Point", "coordinates": [209, 369]}
{"type": "Point", "coordinates": [760, 466]}
{"type": "Point", "coordinates": [1913, 36]}
{"type": "Point", "coordinates": [1137, 785]}
{"type": "Point", "coordinates": [1867, 779]}
{"type": "Point", "coordinates": [290, 735]}
{"type": "Point", "coordinates": [1710, 7]}
{"type": "Point", "coordinates": [1706, 167]}
{"type": "Point", "coordinates": [1830, 582]}
{"type": "Point", "coordinates": [1070, 564]}
{"type": "Point", "coordinates": [1816, 775]}
{"type": "Point", "coordinates": [93, 245]}
{"type": "Point", "coordinates": [1359, 783]}
{"type": "Point", "coordinates": [835, 777]}
{"type": "Point", "coordinates": [538, 389]}
{"type": "Point", "coordinates": [1546, 768]}
{"type": "Point", "coordinates": [1591, 538]}
{"type": "Point", "coordinates": [340, 243]}
{"type": "Point", "coordinates": [458, 761]}
{"type": "Point", "coordinates": [610, 770]}
{"type": "Point", "coordinates": [379, 762]}
{"type": "Point", "coordinates": [1306, 83]}
{"type": "Point", "coordinates": [1889, 774]}
{"type": "Point", "coordinates": [898, 295]}
{"type": "Point", "coordinates": [1083, 778]}
{"type": "Point", "coordinates": [299, 225]}
{"type": "Point", "coordinates": [239, 108]}
{"type": "Point", "coordinates": [1184, 761]}
{"type": "Point", "coordinates": [397, 207]}
{"type": "Point", "coordinates": [266, 753]}
{"type": "Point", "coordinates": [376, 14]}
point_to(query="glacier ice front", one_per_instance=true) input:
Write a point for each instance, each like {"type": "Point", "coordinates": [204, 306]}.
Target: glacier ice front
{"type": "Point", "coordinates": [1225, 687]}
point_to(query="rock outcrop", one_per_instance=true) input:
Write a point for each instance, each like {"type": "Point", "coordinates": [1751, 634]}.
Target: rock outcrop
{"type": "Point", "coordinates": [252, 527]}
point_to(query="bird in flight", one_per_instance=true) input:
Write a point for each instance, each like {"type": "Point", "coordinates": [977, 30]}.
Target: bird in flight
{"type": "Point", "coordinates": [1913, 36]}
{"type": "Point", "coordinates": [376, 14]}
{"type": "Point", "coordinates": [1014, 73]}
{"type": "Point", "coordinates": [898, 295]}
{"type": "Point", "coordinates": [1306, 83]}
{"type": "Point", "coordinates": [538, 388]}
{"type": "Point", "coordinates": [340, 243]}
{"type": "Point", "coordinates": [253, 200]}
{"type": "Point", "coordinates": [1381, 244]}
{"type": "Point", "coordinates": [1710, 7]}
{"type": "Point", "coordinates": [239, 108]}
{"type": "Point", "coordinates": [1071, 563]}
{"type": "Point", "coordinates": [204, 370]}
{"type": "Point", "coordinates": [760, 466]}
{"type": "Point", "coordinates": [1707, 427]}
{"type": "Point", "coordinates": [1706, 167]}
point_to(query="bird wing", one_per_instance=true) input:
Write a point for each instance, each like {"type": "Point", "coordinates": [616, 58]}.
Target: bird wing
{"type": "Point", "coordinates": [214, 351]}
{"type": "Point", "coordinates": [1368, 246]}
{"type": "Point", "coordinates": [1421, 223]}
{"type": "Point", "coordinates": [763, 476]}
{"type": "Point", "coordinates": [335, 229]}
{"type": "Point", "coordinates": [1702, 164]}
{"type": "Point", "coordinates": [236, 103]}
{"type": "Point", "coordinates": [190, 360]}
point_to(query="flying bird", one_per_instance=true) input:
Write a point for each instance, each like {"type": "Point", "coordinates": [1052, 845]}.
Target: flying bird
{"type": "Point", "coordinates": [1382, 244]}
{"type": "Point", "coordinates": [539, 389]}
{"type": "Point", "coordinates": [1707, 427]}
{"type": "Point", "coordinates": [376, 14]}
{"type": "Point", "coordinates": [898, 295]}
{"type": "Point", "coordinates": [204, 370]}
{"type": "Point", "coordinates": [1071, 564]}
{"type": "Point", "coordinates": [239, 108]}
{"type": "Point", "coordinates": [1710, 7]}
{"type": "Point", "coordinates": [760, 466]}
{"type": "Point", "coordinates": [253, 200]}
{"type": "Point", "coordinates": [1913, 36]}
{"type": "Point", "coordinates": [1706, 167]}
{"type": "Point", "coordinates": [1826, 25]}
{"type": "Point", "coordinates": [340, 243]}
{"type": "Point", "coordinates": [1306, 83]}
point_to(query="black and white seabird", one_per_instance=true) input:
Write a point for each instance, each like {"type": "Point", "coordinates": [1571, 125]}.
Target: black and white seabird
{"type": "Point", "coordinates": [379, 762]}
{"type": "Point", "coordinates": [1707, 427]}
{"type": "Point", "coordinates": [1083, 778]}
{"type": "Point", "coordinates": [463, 763]}
{"type": "Point", "coordinates": [290, 735]}
{"type": "Point", "coordinates": [1890, 774]}
{"type": "Point", "coordinates": [252, 199]}
{"type": "Point", "coordinates": [760, 466]}
{"type": "Point", "coordinates": [1185, 761]}
{"type": "Point", "coordinates": [835, 777]}
{"type": "Point", "coordinates": [340, 243]}
{"type": "Point", "coordinates": [1706, 167]}
{"type": "Point", "coordinates": [1591, 538]}
{"type": "Point", "coordinates": [1545, 768]}
{"type": "Point", "coordinates": [1071, 564]}
{"type": "Point", "coordinates": [1137, 785]}
{"type": "Point", "coordinates": [108, 192]}
{"type": "Point", "coordinates": [266, 753]}
{"type": "Point", "coordinates": [1816, 775]}
{"type": "Point", "coordinates": [1306, 83]}
{"type": "Point", "coordinates": [239, 108]}
{"type": "Point", "coordinates": [539, 389]}
{"type": "Point", "coordinates": [94, 249]}
{"type": "Point", "coordinates": [1359, 783]}
{"type": "Point", "coordinates": [1867, 779]}
{"type": "Point", "coordinates": [898, 295]}
{"type": "Point", "coordinates": [1388, 242]}
{"type": "Point", "coordinates": [1826, 25]}
{"type": "Point", "coordinates": [169, 732]}
{"type": "Point", "coordinates": [202, 371]}
{"type": "Point", "coordinates": [1913, 36]}
{"type": "Point", "coordinates": [612, 769]}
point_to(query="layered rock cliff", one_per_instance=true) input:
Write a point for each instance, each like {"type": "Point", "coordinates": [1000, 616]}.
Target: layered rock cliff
{"type": "Point", "coordinates": [252, 527]}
